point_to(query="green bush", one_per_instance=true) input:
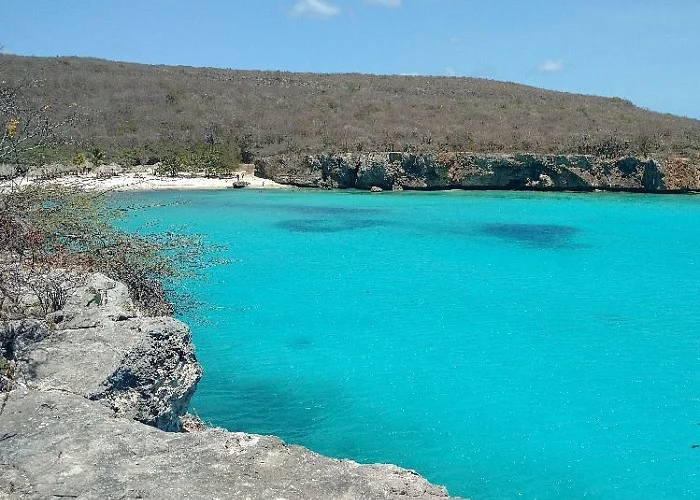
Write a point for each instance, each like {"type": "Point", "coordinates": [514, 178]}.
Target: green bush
{"type": "Point", "coordinates": [209, 161]}
{"type": "Point", "coordinates": [98, 156]}
{"type": "Point", "coordinates": [79, 160]}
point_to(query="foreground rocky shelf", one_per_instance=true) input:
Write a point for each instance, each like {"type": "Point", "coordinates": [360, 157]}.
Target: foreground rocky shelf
{"type": "Point", "coordinates": [97, 386]}
{"type": "Point", "coordinates": [398, 171]}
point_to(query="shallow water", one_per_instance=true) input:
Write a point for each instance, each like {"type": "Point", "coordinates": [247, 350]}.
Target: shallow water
{"type": "Point", "coordinates": [507, 345]}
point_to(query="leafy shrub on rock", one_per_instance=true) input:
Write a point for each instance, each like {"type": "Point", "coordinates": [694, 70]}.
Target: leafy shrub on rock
{"type": "Point", "coordinates": [45, 227]}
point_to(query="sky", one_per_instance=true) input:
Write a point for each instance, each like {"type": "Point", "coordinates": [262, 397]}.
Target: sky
{"type": "Point", "coordinates": [647, 51]}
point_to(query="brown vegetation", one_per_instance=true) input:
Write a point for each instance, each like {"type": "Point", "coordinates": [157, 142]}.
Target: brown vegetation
{"type": "Point", "coordinates": [44, 228]}
{"type": "Point", "coordinates": [140, 114]}
{"type": "Point", "coordinates": [683, 173]}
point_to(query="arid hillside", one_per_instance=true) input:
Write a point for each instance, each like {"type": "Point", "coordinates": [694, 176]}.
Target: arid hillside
{"type": "Point", "coordinates": [138, 113]}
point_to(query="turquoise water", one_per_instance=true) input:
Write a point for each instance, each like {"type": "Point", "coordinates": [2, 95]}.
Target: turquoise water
{"type": "Point", "coordinates": [507, 345]}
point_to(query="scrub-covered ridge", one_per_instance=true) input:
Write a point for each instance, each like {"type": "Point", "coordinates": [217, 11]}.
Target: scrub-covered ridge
{"type": "Point", "coordinates": [184, 118]}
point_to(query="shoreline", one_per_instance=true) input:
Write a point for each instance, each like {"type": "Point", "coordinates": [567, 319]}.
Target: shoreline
{"type": "Point", "coordinates": [130, 181]}
{"type": "Point", "coordinates": [147, 182]}
{"type": "Point", "coordinates": [75, 425]}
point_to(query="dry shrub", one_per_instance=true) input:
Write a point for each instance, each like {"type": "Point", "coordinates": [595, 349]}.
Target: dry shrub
{"type": "Point", "coordinates": [48, 227]}
{"type": "Point", "coordinates": [683, 173]}
{"type": "Point", "coordinates": [139, 113]}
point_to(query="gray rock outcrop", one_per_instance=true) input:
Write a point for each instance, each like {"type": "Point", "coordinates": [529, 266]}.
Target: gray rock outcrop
{"type": "Point", "coordinates": [396, 171]}
{"type": "Point", "coordinates": [88, 378]}
{"type": "Point", "coordinates": [99, 347]}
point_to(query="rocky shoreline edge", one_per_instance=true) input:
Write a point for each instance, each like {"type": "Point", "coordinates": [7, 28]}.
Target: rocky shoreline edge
{"type": "Point", "coordinates": [100, 390]}
{"type": "Point", "coordinates": [474, 171]}
{"type": "Point", "coordinates": [397, 171]}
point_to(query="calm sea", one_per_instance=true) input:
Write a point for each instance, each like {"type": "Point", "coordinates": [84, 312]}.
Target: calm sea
{"type": "Point", "coordinates": [506, 345]}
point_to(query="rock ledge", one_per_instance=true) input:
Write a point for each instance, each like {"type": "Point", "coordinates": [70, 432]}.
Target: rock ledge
{"type": "Point", "coordinates": [91, 375]}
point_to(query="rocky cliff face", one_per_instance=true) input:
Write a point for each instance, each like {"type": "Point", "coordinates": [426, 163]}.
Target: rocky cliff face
{"type": "Point", "coordinates": [88, 377]}
{"type": "Point", "coordinates": [471, 171]}
{"type": "Point", "coordinates": [98, 347]}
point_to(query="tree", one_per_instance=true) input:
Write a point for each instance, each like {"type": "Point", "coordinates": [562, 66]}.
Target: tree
{"type": "Point", "coordinates": [26, 126]}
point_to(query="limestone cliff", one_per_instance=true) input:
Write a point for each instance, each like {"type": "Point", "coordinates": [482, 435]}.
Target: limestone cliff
{"type": "Point", "coordinates": [88, 377]}
{"type": "Point", "coordinates": [474, 171]}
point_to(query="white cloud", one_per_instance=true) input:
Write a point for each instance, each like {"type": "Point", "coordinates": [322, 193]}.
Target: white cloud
{"type": "Point", "coordinates": [315, 8]}
{"type": "Point", "coordinates": [455, 40]}
{"type": "Point", "coordinates": [450, 71]}
{"type": "Point", "coordinates": [386, 3]}
{"type": "Point", "coordinates": [5, 50]}
{"type": "Point", "coordinates": [551, 66]}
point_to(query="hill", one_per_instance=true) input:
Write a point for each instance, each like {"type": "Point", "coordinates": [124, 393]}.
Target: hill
{"type": "Point", "coordinates": [137, 113]}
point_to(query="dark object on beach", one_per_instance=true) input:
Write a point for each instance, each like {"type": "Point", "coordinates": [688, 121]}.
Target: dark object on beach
{"type": "Point", "coordinates": [238, 184]}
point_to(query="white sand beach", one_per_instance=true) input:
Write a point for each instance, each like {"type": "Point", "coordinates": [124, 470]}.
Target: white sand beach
{"type": "Point", "coordinates": [149, 182]}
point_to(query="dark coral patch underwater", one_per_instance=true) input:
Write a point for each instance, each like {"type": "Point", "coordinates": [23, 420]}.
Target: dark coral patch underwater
{"type": "Point", "coordinates": [542, 236]}
{"type": "Point", "coordinates": [335, 225]}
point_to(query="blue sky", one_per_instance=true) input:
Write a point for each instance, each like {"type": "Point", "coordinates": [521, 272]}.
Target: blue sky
{"type": "Point", "coordinates": [647, 51]}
